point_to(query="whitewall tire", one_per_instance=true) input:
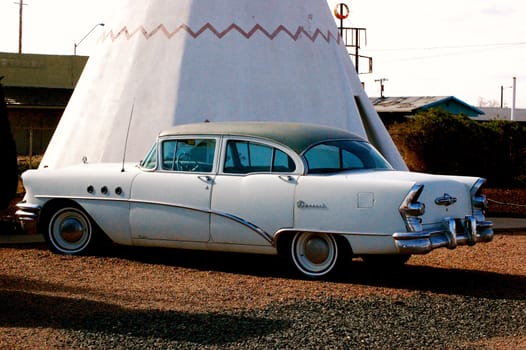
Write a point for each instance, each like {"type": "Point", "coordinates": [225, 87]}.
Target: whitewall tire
{"type": "Point", "coordinates": [70, 231]}
{"type": "Point", "coordinates": [314, 254]}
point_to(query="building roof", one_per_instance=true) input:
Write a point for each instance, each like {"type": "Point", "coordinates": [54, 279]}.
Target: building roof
{"type": "Point", "coordinates": [413, 104]}
{"type": "Point", "coordinates": [297, 136]}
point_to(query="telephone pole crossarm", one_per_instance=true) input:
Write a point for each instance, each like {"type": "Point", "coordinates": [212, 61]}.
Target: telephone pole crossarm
{"type": "Point", "coordinates": [382, 87]}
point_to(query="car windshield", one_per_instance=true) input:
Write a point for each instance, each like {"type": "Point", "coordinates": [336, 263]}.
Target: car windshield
{"type": "Point", "coordinates": [150, 161]}
{"type": "Point", "coordinates": [336, 156]}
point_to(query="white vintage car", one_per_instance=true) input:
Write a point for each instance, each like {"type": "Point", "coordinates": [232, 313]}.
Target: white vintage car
{"type": "Point", "coordinates": [315, 194]}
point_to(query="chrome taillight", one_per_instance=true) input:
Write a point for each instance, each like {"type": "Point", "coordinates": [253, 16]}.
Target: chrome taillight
{"type": "Point", "coordinates": [412, 210]}
{"type": "Point", "coordinates": [479, 201]}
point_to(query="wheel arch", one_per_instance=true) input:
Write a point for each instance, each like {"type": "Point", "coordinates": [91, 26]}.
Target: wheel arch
{"type": "Point", "coordinates": [98, 240]}
{"type": "Point", "coordinates": [50, 207]}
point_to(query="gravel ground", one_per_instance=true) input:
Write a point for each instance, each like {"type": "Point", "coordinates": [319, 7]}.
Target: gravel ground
{"type": "Point", "coordinates": [468, 298]}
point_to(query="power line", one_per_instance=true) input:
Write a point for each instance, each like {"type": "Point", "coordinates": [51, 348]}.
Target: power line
{"type": "Point", "coordinates": [452, 47]}
{"type": "Point", "coordinates": [466, 50]}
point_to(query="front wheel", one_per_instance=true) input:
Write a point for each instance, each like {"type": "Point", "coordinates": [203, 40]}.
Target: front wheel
{"type": "Point", "coordinates": [314, 254]}
{"type": "Point", "coordinates": [70, 231]}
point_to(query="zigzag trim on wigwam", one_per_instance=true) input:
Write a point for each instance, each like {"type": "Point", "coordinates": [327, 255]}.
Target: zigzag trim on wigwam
{"type": "Point", "coordinates": [161, 28]}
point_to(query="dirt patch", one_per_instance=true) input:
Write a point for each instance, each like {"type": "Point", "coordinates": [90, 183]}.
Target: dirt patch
{"type": "Point", "coordinates": [131, 298]}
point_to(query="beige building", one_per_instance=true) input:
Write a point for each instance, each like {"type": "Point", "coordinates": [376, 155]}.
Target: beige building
{"type": "Point", "coordinates": [37, 90]}
{"type": "Point", "coordinates": [495, 113]}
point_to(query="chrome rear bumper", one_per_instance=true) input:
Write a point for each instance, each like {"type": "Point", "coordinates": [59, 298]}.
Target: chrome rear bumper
{"type": "Point", "coordinates": [467, 231]}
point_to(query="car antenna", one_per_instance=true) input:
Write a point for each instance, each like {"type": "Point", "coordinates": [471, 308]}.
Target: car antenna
{"type": "Point", "coordinates": [127, 134]}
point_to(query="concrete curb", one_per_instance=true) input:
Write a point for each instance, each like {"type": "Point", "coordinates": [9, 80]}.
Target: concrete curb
{"type": "Point", "coordinates": [513, 225]}
{"type": "Point", "coordinates": [21, 239]}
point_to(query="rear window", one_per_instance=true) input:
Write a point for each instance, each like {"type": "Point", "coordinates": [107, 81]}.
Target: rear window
{"type": "Point", "coordinates": [335, 156]}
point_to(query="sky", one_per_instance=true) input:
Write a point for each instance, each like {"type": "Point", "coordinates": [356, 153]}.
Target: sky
{"type": "Point", "coordinates": [463, 48]}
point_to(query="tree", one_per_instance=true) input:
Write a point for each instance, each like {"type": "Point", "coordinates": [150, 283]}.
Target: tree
{"type": "Point", "coordinates": [9, 173]}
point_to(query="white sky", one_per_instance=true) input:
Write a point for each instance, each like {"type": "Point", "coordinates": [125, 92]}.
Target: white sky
{"type": "Point", "coordinates": [464, 48]}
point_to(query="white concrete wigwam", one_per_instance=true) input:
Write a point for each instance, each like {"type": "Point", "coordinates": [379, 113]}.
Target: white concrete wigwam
{"type": "Point", "coordinates": [175, 62]}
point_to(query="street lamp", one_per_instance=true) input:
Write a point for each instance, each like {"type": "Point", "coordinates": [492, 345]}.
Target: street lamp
{"type": "Point", "coordinates": [85, 36]}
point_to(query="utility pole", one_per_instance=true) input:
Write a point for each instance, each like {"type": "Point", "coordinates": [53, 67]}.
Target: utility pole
{"type": "Point", "coordinates": [514, 87]}
{"type": "Point", "coordinates": [20, 23]}
{"type": "Point", "coordinates": [381, 81]}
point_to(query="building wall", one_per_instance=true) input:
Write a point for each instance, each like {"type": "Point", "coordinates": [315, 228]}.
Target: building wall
{"type": "Point", "coordinates": [495, 113]}
{"type": "Point", "coordinates": [33, 125]}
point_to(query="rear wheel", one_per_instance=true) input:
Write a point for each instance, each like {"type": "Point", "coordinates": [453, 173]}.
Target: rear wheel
{"type": "Point", "coordinates": [314, 254]}
{"type": "Point", "coordinates": [70, 231]}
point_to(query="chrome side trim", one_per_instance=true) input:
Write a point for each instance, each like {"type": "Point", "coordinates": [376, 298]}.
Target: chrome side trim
{"type": "Point", "coordinates": [90, 198]}
{"type": "Point", "coordinates": [244, 222]}
{"type": "Point", "coordinates": [29, 212]}
{"type": "Point", "coordinates": [229, 216]}
{"type": "Point", "coordinates": [333, 232]}
{"type": "Point", "coordinates": [336, 232]}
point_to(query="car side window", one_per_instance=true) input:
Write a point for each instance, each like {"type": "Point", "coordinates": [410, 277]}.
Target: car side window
{"type": "Point", "coordinates": [188, 155]}
{"type": "Point", "coordinates": [244, 157]}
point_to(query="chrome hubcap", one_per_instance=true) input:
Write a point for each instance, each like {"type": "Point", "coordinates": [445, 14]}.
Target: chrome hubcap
{"type": "Point", "coordinates": [316, 250]}
{"type": "Point", "coordinates": [314, 254]}
{"type": "Point", "coordinates": [71, 230]}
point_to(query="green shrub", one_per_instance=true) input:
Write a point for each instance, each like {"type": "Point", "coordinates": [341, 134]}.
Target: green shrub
{"type": "Point", "coordinates": [438, 142]}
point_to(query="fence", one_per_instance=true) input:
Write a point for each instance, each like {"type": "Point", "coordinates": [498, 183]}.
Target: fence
{"type": "Point", "coordinates": [32, 140]}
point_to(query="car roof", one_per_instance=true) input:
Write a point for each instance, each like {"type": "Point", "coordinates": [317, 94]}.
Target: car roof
{"type": "Point", "coordinates": [297, 136]}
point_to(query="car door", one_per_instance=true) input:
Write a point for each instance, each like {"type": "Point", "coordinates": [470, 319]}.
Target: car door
{"type": "Point", "coordinates": [253, 194]}
{"type": "Point", "coordinates": [173, 201]}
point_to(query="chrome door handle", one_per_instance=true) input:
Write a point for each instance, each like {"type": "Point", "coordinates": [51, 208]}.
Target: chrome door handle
{"type": "Point", "coordinates": [286, 178]}
{"type": "Point", "coordinates": [205, 178]}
